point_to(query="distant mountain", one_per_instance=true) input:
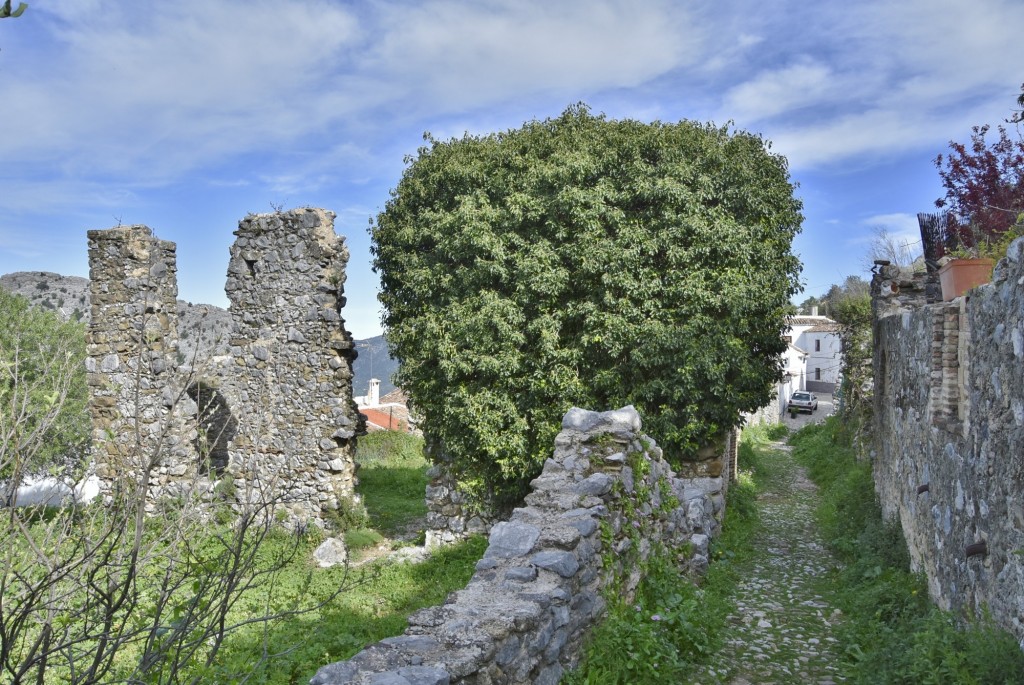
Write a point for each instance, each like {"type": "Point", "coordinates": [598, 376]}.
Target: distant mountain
{"type": "Point", "coordinates": [373, 362]}
{"type": "Point", "coordinates": [203, 329]}
{"type": "Point", "coordinates": [68, 295]}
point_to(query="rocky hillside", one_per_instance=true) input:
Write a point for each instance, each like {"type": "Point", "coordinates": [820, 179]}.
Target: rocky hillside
{"type": "Point", "coordinates": [203, 329]}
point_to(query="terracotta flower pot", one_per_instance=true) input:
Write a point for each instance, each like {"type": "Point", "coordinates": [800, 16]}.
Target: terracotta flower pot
{"type": "Point", "coordinates": [960, 275]}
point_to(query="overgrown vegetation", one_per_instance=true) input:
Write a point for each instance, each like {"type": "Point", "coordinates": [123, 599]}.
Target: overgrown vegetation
{"type": "Point", "coordinates": [43, 397]}
{"type": "Point", "coordinates": [673, 623]}
{"type": "Point", "coordinates": [581, 261]}
{"type": "Point", "coordinates": [280, 617]}
{"type": "Point", "coordinates": [891, 631]}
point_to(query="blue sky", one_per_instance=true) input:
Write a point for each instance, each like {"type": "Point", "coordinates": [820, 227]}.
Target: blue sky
{"type": "Point", "coordinates": [187, 115]}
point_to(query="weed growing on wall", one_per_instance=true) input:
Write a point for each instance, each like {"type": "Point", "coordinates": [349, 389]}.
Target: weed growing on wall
{"type": "Point", "coordinates": [892, 633]}
{"type": "Point", "coordinates": [673, 623]}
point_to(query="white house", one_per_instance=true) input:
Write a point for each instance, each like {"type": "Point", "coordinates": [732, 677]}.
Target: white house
{"type": "Point", "coordinates": [817, 337]}
{"type": "Point", "coordinates": [812, 361]}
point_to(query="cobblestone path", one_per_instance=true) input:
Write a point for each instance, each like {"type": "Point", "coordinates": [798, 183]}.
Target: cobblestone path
{"type": "Point", "coordinates": [781, 630]}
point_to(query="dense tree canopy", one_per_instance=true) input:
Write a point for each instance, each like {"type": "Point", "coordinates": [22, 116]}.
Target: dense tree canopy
{"type": "Point", "coordinates": [590, 262]}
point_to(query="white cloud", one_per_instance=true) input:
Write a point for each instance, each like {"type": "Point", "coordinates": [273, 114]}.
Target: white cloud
{"type": "Point", "coordinates": [897, 223]}
{"type": "Point", "coordinates": [875, 78]}
{"type": "Point", "coordinates": [468, 54]}
{"type": "Point", "coordinates": [804, 83]}
{"type": "Point", "coordinates": [155, 89]}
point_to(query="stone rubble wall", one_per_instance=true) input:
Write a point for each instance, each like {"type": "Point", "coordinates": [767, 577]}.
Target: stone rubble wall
{"type": "Point", "coordinates": [131, 348]}
{"type": "Point", "coordinates": [949, 413]}
{"type": "Point", "coordinates": [276, 414]}
{"type": "Point", "coordinates": [448, 521]}
{"type": "Point", "coordinates": [604, 501]}
{"type": "Point", "coordinates": [291, 380]}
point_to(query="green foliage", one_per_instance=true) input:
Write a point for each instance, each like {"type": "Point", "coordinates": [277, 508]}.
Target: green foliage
{"type": "Point", "coordinates": [6, 11]}
{"type": "Point", "coordinates": [375, 604]}
{"type": "Point", "coordinates": [43, 395]}
{"type": "Point", "coordinates": [361, 538]}
{"type": "Point", "coordinates": [671, 625]}
{"type": "Point", "coordinates": [286, 618]}
{"type": "Point", "coordinates": [892, 633]}
{"type": "Point", "coordinates": [589, 262]}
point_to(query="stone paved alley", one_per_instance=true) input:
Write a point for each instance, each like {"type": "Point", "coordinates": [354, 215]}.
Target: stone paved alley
{"type": "Point", "coordinates": [781, 629]}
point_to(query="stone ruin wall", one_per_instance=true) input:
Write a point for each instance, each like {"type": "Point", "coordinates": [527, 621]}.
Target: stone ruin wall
{"type": "Point", "coordinates": [131, 346]}
{"type": "Point", "coordinates": [449, 521]}
{"type": "Point", "coordinates": [291, 367]}
{"type": "Point", "coordinates": [949, 425]}
{"type": "Point", "coordinates": [603, 502]}
{"type": "Point", "coordinates": [276, 416]}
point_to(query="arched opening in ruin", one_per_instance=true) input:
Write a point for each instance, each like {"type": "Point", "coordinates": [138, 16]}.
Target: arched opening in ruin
{"type": "Point", "coordinates": [216, 427]}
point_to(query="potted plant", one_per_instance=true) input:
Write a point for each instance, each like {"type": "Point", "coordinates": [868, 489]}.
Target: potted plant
{"type": "Point", "coordinates": [970, 265]}
{"type": "Point", "coordinates": [960, 274]}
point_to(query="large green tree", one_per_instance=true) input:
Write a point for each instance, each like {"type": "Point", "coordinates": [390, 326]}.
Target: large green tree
{"type": "Point", "coordinates": [591, 262]}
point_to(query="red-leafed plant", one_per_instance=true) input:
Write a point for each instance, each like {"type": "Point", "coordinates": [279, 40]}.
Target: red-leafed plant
{"type": "Point", "coordinates": [984, 187]}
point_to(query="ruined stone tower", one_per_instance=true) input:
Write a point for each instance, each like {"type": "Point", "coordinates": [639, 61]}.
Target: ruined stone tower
{"type": "Point", "coordinates": [131, 347]}
{"type": "Point", "coordinates": [276, 418]}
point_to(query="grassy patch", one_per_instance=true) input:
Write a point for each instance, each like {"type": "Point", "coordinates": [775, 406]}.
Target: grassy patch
{"type": "Point", "coordinates": [392, 480]}
{"type": "Point", "coordinates": [892, 633]}
{"type": "Point", "coordinates": [376, 605]}
{"type": "Point", "coordinates": [671, 625]}
{"type": "Point", "coordinates": [322, 615]}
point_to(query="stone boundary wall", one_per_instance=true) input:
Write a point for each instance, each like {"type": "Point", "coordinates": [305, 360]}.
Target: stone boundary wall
{"type": "Point", "coordinates": [949, 413]}
{"type": "Point", "coordinates": [448, 522]}
{"type": "Point", "coordinates": [604, 500]}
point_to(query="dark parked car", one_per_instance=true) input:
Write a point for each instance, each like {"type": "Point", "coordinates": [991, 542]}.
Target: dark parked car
{"type": "Point", "coordinates": [803, 401]}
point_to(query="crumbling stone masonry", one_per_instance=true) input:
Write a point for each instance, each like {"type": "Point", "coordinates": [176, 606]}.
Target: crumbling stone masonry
{"type": "Point", "coordinates": [949, 425]}
{"type": "Point", "coordinates": [604, 501]}
{"type": "Point", "coordinates": [131, 346]}
{"type": "Point", "coordinates": [449, 521]}
{"type": "Point", "coordinates": [292, 360]}
{"type": "Point", "coordinates": [276, 417]}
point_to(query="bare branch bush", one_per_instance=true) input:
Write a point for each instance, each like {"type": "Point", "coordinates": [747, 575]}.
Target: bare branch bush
{"type": "Point", "coordinates": [891, 248]}
{"type": "Point", "coordinates": [128, 590]}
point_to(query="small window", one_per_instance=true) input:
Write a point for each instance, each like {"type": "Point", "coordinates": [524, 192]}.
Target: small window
{"type": "Point", "coordinates": [817, 374]}
{"type": "Point", "coordinates": [817, 345]}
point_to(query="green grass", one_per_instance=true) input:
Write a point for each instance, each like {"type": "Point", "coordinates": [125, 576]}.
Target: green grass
{"type": "Point", "coordinates": [392, 480]}
{"type": "Point", "coordinates": [380, 598]}
{"type": "Point", "coordinates": [891, 632]}
{"type": "Point", "coordinates": [327, 614]}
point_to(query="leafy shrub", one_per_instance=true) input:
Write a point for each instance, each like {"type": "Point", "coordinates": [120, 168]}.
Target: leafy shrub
{"type": "Point", "coordinates": [43, 396]}
{"type": "Point", "coordinates": [670, 626]}
{"type": "Point", "coordinates": [673, 624]}
{"type": "Point", "coordinates": [584, 261]}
